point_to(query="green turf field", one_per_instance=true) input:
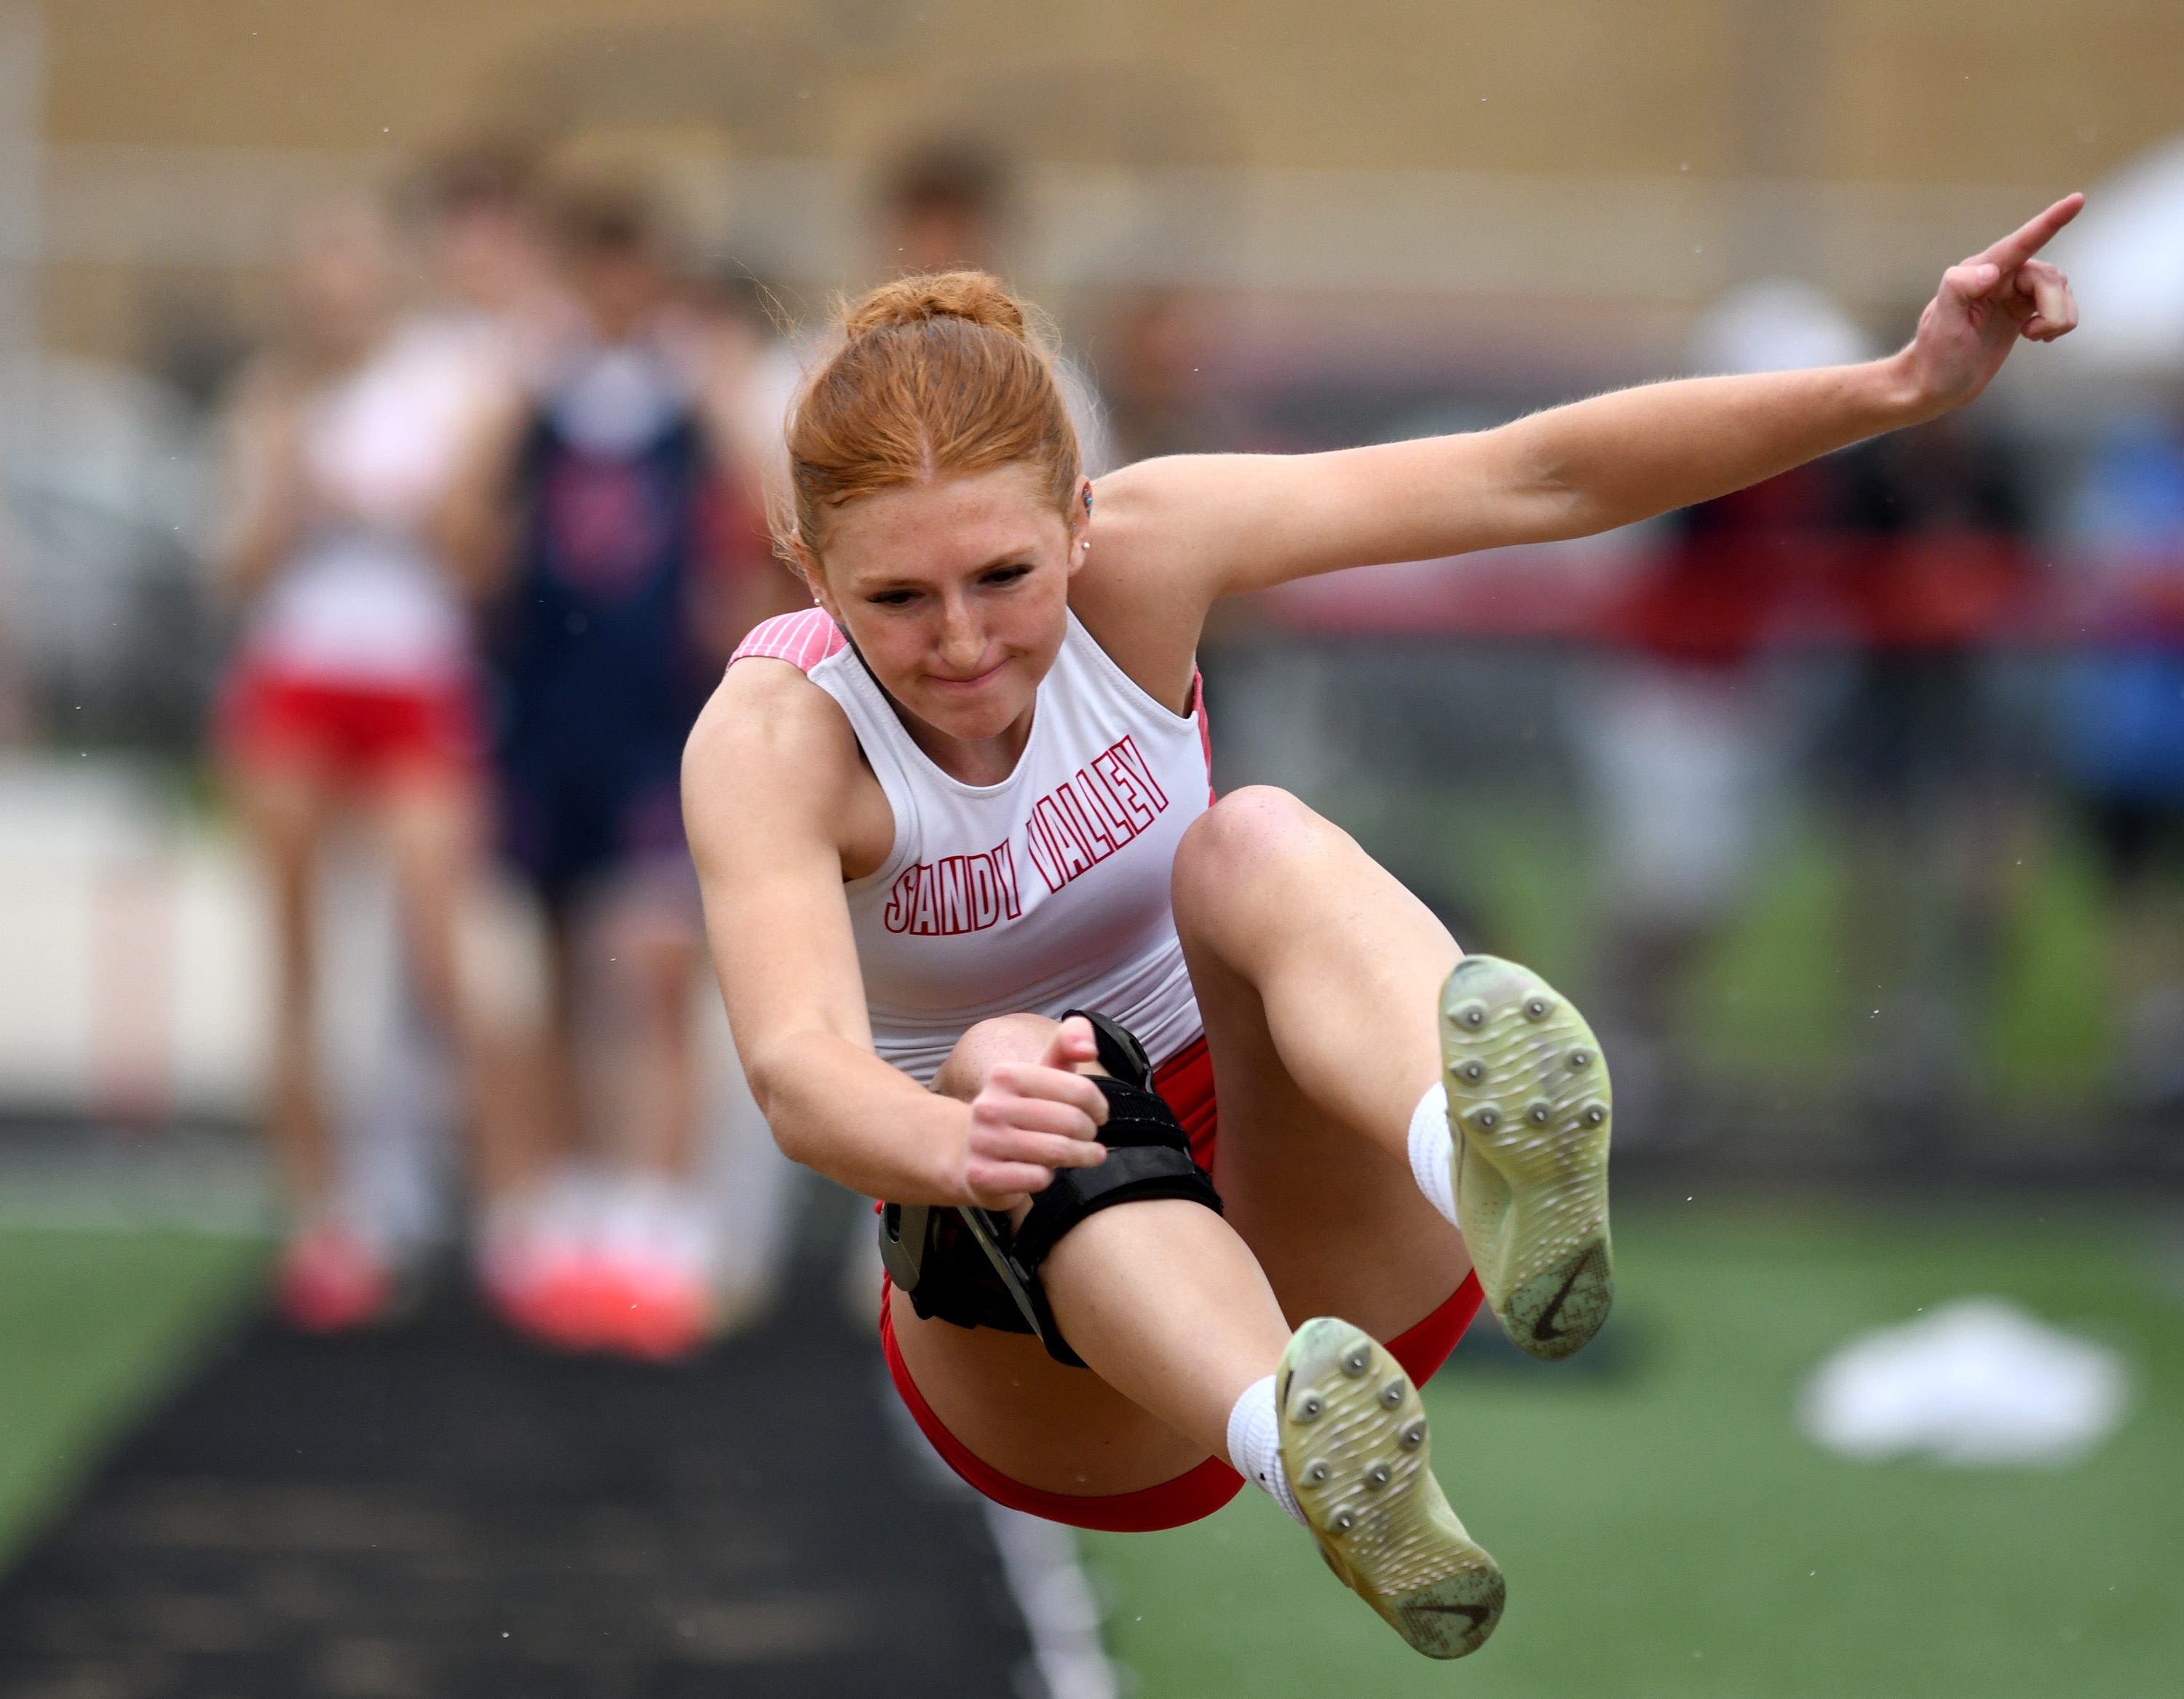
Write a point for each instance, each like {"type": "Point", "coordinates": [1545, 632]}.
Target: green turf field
{"type": "Point", "coordinates": [92, 1327]}
{"type": "Point", "coordinates": [1666, 1531]}
{"type": "Point", "coordinates": [1777, 995]}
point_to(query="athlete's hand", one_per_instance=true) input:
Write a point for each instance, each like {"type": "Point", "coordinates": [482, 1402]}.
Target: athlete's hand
{"type": "Point", "coordinates": [1034, 1117]}
{"type": "Point", "coordinates": [1985, 304]}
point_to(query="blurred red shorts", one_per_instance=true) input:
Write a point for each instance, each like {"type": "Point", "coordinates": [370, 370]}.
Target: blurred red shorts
{"type": "Point", "coordinates": [364, 734]}
{"type": "Point", "coordinates": [1186, 1081]}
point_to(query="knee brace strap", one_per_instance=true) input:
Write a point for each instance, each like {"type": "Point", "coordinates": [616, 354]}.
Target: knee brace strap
{"type": "Point", "coordinates": [966, 1267]}
{"type": "Point", "coordinates": [1148, 1156]}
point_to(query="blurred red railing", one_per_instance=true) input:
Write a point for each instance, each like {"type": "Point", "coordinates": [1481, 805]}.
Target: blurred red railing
{"type": "Point", "coordinates": [1718, 599]}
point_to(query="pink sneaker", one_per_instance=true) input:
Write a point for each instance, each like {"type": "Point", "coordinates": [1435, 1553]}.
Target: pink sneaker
{"type": "Point", "coordinates": [330, 1281]}
{"type": "Point", "coordinates": [655, 1256]}
{"type": "Point", "coordinates": [658, 1311]}
{"type": "Point", "coordinates": [546, 1290]}
{"type": "Point", "coordinates": [573, 1306]}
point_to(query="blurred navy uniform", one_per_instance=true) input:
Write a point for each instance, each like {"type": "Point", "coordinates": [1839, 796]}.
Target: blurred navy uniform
{"type": "Point", "coordinates": [599, 678]}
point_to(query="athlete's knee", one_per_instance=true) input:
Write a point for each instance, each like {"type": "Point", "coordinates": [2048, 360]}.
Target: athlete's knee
{"type": "Point", "coordinates": [1004, 1038]}
{"type": "Point", "coordinates": [1231, 849]}
{"type": "Point", "coordinates": [502, 962]}
{"type": "Point", "coordinates": [996, 1283]}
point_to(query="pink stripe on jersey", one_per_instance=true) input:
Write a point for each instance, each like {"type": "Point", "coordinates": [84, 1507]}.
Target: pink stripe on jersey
{"type": "Point", "coordinates": [802, 639]}
{"type": "Point", "coordinates": [1205, 731]}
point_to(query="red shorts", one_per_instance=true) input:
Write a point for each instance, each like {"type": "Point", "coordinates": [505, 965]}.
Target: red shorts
{"type": "Point", "coordinates": [363, 734]}
{"type": "Point", "coordinates": [1186, 1081]}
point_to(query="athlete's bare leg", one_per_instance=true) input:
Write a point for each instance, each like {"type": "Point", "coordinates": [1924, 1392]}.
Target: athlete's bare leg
{"type": "Point", "coordinates": [644, 945]}
{"type": "Point", "coordinates": [1312, 964]}
{"type": "Point", "coordinates": [434, 832]}
{"type": "Point", "coordinates": [287, 811]}
{"type": "Point", "coordinates": [1318, 977]}
{"type": "Point", "coordinates": [1163, 1300]}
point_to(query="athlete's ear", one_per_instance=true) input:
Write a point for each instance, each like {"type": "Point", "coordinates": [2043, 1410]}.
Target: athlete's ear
{"type": "Point", "coordinates": [1080, 523]}
{"type": "Point", "coordinates": [815, 579]}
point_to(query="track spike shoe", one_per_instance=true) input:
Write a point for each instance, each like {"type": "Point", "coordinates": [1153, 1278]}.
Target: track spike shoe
{"type": "Point", "coordinates": [1528, 1108]}
{"type": "Point", "coordinates": [1355, 1448]}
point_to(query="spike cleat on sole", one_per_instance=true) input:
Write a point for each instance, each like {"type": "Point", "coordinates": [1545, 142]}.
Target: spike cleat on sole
{"type": "Point", "coordinates": [1355, 1447]}
{"type": "Point", "coordinates": [1529, 1109]}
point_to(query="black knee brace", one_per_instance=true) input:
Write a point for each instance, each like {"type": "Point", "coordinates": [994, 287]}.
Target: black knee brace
{"type": "Point", "coordinates": [966, 1267]}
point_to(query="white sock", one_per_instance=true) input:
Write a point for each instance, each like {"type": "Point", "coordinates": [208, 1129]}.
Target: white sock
{"type": "Point", "coordinates": [1255, 1444]}
{"type": "Point", "coordinates": [1433, 1151]}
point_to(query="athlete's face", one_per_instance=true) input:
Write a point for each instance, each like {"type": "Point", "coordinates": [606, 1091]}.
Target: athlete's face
{"type": "Point", "coordinates": [957, 594]}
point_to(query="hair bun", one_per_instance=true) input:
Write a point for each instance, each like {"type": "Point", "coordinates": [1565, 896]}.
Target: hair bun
{"type": "Point", "coordinates": [973, 295]}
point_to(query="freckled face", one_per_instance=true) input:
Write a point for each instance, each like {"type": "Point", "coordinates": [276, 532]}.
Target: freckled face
{"type": "Point", "coordinates": [957, 594]}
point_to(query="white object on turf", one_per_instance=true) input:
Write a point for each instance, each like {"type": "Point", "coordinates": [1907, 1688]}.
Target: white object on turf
{"type": "Point", "coordinates": [1978, 1382]}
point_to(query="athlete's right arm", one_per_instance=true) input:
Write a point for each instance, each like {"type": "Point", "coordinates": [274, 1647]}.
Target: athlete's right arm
{"type": "Point", "coordinates": [775, 798]}
{"type": "Point", "coordinates": [474, 524]}
{"type": "Point", "coordinates": [265, 498]}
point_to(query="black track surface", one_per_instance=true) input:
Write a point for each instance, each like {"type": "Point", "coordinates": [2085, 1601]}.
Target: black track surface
{"type": "Point", "coordinates": [439, 1512]}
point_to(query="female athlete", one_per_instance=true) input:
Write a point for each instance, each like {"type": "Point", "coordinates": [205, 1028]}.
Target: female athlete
{"type": "Point", "coordinates": [991, 954]}
{"type": "Point", "coordinates": [352, 698]}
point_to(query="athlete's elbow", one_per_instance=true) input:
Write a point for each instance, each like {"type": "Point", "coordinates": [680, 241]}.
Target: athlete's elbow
{"type": "Point", "coordinates": [770, 1074]}
{"type": "Point", "coordinates": [1545, 493]}
{"type": "Point", "coordinates": [787, 1076]}
{"type": "Point", "coordinates": [797, 1134]}
{"type": "Point", "coordinates": [795, 1142]}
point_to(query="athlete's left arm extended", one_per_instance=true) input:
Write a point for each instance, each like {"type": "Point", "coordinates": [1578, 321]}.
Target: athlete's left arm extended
{"type": "Point", "coordinates": [1242, 522]}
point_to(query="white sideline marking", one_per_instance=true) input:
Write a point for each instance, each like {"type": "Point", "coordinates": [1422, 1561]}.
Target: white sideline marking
{"type": "Point", "coordinates": [1054, 1593]}
{"type": "Point", "coordinates": [1039, 1561]}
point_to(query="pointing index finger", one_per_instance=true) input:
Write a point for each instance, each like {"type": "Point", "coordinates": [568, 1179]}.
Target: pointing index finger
{"type": "Point", "coordinates": [2022, 243]}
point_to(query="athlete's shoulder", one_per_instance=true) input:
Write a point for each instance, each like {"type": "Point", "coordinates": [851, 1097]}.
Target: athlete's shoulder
{"type": "Point", "coordinates": [768, 722]}
{"type": "Point", "coordinates": [763, 715]}
{"type": "Point", "coordinates": [773, 757]}
{"type": "Point", "coordinates": [1168, 519]}
{"type": "Point", "coordinates": [803, 639]}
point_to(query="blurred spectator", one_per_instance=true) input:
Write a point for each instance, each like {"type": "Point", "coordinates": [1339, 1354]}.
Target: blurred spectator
{"type": "Point", "coordinates": [1685, 739]}
{"type": "Point", "coordinates": [1153, 378]}
{"type": "Point", "coordinates": [1935, 817]}
{"type": "Point", "coordinates": [2123, 733]}
{"type": "Point", "coordinates": [942, 208]}
{"type": "Point", "coordinates": [615, 537]}
{"type": "Point", "coordinates": [491, 314]}
{"type": "Point", "coordinates": [351, 694]}
{"type": "Point", "coordinates": [745, 381]}
{"type": "Point", "coordinates": [945, 206]}
{"type": "Point", "coordinates": [496, 308]}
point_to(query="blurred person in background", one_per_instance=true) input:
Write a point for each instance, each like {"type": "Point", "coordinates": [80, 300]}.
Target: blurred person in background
{"type": "Point", "coordinates": [1154, 378]}
{"type": "Point", "coordinates": [945, 205]}
{"type": "Point", "coordinates": [938, 205]}
{"type": "Point", "coordinates": [610, 524]}
{"type": "Point", "coordinates": [352, 695]}
{"type": "Point", "coordinates": [1933, 572]}
{"type": "Point", "coordinates": [1686, 734]}
{"type": "Point", "coordinates": [497, 304]}
{"type": "Point", "coordinates": [490, 313]}
{"type": "Point", "coordinates": [2122, 731]}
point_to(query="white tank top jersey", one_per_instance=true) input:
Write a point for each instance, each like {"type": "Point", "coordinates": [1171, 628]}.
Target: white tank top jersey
{"type": "Point", "coordinates": [1046, 892]}
{"type": "Point", "coordinates": [363, 599]}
